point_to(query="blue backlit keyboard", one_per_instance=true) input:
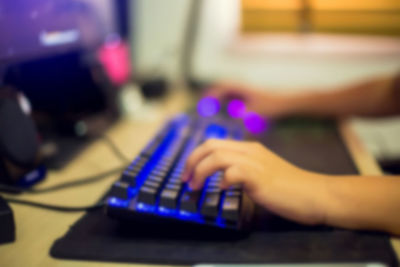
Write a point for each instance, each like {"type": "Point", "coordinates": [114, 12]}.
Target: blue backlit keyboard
{"type": "Point", "coordinates": [151, 190]}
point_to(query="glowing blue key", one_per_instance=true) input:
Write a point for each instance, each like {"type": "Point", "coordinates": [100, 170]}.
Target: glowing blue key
{"type": "Point", "coordinates": [117, 202]}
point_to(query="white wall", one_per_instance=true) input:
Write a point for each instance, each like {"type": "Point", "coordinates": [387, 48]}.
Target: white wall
{"type": "Point", "coordinates": [159, 29]}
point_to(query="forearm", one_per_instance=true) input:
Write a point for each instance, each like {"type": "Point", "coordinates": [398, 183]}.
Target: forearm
{"type": "Point", "coordinates": [362, 203]}
{"type": "Point", "coordinates": [375, 98]}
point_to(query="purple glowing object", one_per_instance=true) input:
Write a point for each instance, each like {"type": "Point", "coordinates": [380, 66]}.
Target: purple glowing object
{"type": "Point", "coordinates": [254, 123]}
{"type": "Point", "coordinates": [236, 108]}
{"type": "Point", "coordinates": [208, 106]}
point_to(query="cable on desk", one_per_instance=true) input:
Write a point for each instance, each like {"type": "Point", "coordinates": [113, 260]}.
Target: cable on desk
{"type": "Point", "coordinates": [114, 148]}
{"type": "Point", "coordinates": [79, 182]}
{"type": "Point", "coordinates": [76, 182]}
{"type": "Point", "coordinates": [55, 207]}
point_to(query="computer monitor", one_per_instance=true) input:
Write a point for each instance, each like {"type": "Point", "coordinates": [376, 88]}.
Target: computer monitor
{"type": "Point", "coordinates": [41, 28]}
{"type": "Point", "coordinates": [49, 48]}
{"type": "Point", "coordinates": [62, 55]}
{"type": "Point", "coordinates": [52, 49]}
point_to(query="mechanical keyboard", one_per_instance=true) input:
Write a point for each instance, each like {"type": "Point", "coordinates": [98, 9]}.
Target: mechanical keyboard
{"type": "Point", "coordinates": [150, 188]}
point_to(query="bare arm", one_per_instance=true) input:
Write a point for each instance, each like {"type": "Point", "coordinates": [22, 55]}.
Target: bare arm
{"type": "Point", "coordinates": [363, 203]}
{"type": "Point", "coordinates": [379, 97]}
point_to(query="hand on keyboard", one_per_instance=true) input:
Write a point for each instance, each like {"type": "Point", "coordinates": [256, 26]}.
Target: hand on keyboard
{"type": "Point", "coordinates": [257, 100]}
{"type": "Point", "coordinates": [267, 179]}
{"type": "Point", "coordinates": [151, 188]}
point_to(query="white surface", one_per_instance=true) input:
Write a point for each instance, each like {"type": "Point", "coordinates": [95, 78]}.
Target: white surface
{"type": "Point", "coordinates": [382, 137]}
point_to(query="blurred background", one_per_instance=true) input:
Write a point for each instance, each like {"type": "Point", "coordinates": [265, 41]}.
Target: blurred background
{"type": "Point", "coordinates": [281, 45]}
{"type": "Point", "coordinates": [129, 51]}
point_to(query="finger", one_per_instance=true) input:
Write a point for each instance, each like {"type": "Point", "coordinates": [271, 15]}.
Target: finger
{"type": "Point", "coordinates": [216, 161]}
{"type": "Point", "coordinates": [225, 91]}
{"type": "Point", "coordinates": [208, 147]}
{"type": "Point", "coordinates": [234, 175]}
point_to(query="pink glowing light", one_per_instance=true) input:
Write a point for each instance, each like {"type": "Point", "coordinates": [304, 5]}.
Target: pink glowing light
{"type": "Point", "coordinates": [236, 108]}
{"type": "Point", "coordinates": [114, 56]}
{"type": "Point", "coordinates": [254, 123]}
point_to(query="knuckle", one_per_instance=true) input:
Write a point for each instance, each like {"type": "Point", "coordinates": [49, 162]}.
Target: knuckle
{"type": "Point", "coordinates": [218, 156]}
{"type": "Point", "coordinates": [231, 173]}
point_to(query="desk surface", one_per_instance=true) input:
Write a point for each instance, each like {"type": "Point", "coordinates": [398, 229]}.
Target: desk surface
{"type": "Point", "coordinates": [37, 229]}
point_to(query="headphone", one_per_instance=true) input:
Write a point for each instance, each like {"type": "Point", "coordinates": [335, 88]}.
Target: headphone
{"type": "Point", "coordinates": [19, 141]}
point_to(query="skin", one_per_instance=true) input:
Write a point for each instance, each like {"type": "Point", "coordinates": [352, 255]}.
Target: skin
{"type": "Point", "coordinates": [354, 202]}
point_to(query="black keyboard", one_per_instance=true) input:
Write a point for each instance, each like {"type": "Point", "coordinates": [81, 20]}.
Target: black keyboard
{"type": "Point", "coordinates": [151, 189]}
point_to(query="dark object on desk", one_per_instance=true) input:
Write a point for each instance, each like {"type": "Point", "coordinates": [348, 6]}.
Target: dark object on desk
{"type": "Point", "coordinates": [154, 88]}
{"type": "Point", "coordinates": [19, 144]}
{"type": "Point", "coordinates": [66, 80]}
{"type": "Point", "coordinates": [96, 237]}
{"type": "Point", "coordinates": [7, 226]}
{"type": "Point", "coordinates": [390, 166]}
{"type": "Point", "coordinates": [59, 147]}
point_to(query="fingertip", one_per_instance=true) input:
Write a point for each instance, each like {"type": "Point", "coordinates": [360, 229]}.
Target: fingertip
{"type": "Point", "coordinates": [184, 177]}
{"type": "Point", "coordinates": [223, 185]}
{"type": "Point", "coordinates": [193, 186]}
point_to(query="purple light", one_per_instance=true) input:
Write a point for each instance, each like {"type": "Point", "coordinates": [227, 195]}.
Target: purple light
{"type": "Point", "coordinates": [236, 108]}
{"type": "Point", "coordinates": [208, 106]}
{"type": "Point", "coordinates": [254, 123]}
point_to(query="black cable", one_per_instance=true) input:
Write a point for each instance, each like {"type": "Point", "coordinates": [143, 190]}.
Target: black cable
{"type": "Point", "coordinates": [79, 182]}
{"type": "Point", "coordinates": [114, 148]}
{"type": "Point", "coordinates": [55, 207]}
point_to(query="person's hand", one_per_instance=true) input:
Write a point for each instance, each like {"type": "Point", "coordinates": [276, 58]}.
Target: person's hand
{"type": "Point", "coordinates": [268, 180]}
{"type": "Point", "coordinates": [264, 103]}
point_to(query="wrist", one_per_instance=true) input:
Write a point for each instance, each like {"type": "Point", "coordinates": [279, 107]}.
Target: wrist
{"type": "Point", "coordinates": [290, 104]}
{"type": "Point", "coordinates": [316, 197]}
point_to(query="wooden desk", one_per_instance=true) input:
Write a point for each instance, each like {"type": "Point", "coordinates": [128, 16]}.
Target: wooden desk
{"type": "Point", "coordinates": [37, 229]}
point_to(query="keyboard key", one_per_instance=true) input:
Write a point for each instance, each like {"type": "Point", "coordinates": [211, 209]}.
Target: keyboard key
{"type": "Point", "coordinates": [147, 195]}
{"type": "Point", "coordinates": [175, 180]}
{"type": "Point", "coordinates": [159, 173]}
{"type": "Point", "coordinates": [135, 168]}
{"type": "Point", "coordinates": [152, 184]}
{"type": "Point", "coordinates": [212, 190]}
{"type": "Point", "coordinates": [169, 198]}
{"type": "Point", "coordinates": [175, 187]}
{"type": "Point", "coordinates": [120, 190]}
{"type": "Point", "coordinates": [230, 209]}
{"type": "Point", "coordinates": [129, 177]}
{"type": "Point", "coordinates": [162, 168]}
{"type": "Point", "coordinates": [210, 205]}
{"type": "Point", "coordinates": [232, 193]}
{"type": "Point", "coordinates": [139, 164]}
{"type": "Point", "coordinates": [155, 178]}
{"type": "Point", "coordinates": [189, 201]}
{"type": "Point", "coordinates": [214, 184]}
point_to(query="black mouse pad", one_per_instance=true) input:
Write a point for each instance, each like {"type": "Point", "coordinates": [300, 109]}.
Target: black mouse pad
{"type": "Point", "coordinates": [313, 145]}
